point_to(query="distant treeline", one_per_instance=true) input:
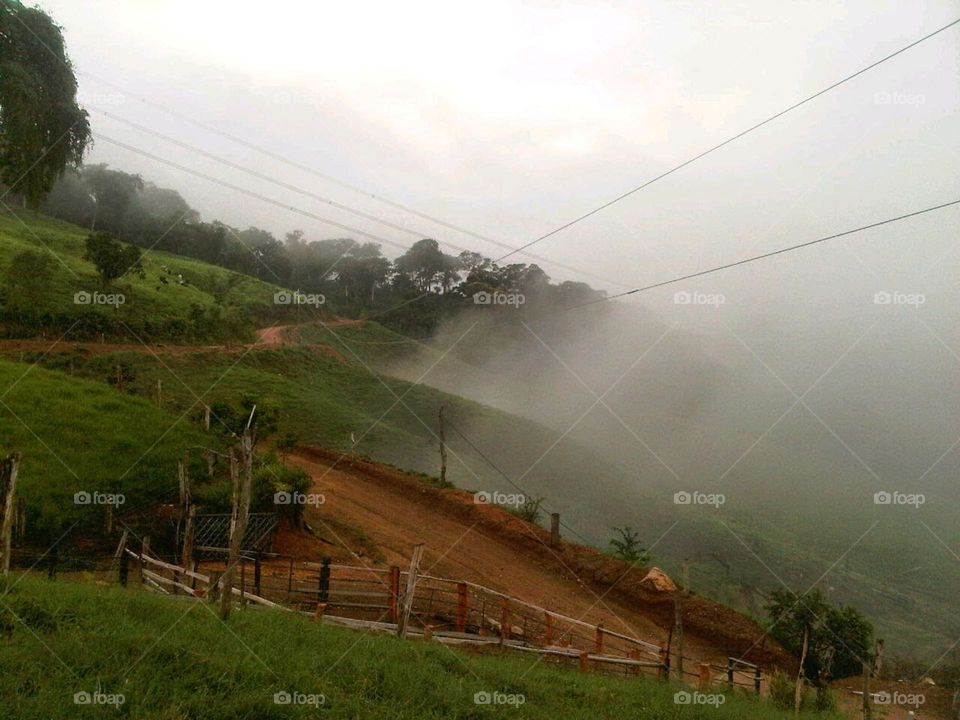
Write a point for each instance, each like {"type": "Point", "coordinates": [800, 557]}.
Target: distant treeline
{"type": "Point", "coordinates": [355, 278]}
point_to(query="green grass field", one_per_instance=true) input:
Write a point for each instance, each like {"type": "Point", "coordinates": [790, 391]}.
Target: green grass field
{"type": "Point", "coordinates": [215, 303]}
{"type": "Point", "coordinates": [174, 660]}
{"type": "Point", "coordinates": [83, 436]}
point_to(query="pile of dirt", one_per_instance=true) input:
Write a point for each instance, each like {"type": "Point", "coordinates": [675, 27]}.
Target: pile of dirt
{"type": "Point", "coordinates": [658, 581]}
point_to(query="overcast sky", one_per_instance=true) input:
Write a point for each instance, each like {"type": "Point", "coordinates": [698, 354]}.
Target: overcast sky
{"type": "Point", "coordinates": [510, 118]}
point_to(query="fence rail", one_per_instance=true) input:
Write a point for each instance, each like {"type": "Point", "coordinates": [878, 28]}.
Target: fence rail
{"type": "Point", "coordinates": [442, 609]}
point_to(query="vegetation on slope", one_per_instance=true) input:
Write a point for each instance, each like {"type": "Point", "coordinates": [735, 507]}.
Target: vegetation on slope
{"type": "Point", "coordinates": [176, 660]}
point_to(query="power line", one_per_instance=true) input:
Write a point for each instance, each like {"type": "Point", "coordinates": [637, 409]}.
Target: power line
{"type": "Point", "coordinates": [333, 203]}
{"type": "Point", "coordinates": [505, 476]}
{"type": "Point", "coordinates": [781, 251]}
{"type": "Point", "coordinates": [726, 142]}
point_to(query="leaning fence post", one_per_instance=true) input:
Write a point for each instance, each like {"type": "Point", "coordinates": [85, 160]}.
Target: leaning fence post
{"type": "Point", "coordinates": [410, 590]}
{"type": "Point", "coordinates": [8, 485]}
{"type": "Point", "coordinates": [665, 663]}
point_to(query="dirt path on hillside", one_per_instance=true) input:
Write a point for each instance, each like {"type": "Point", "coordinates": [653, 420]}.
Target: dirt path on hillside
{"type": "Point", "coordinates": [276, 336]}
{"type": "Point", "coordinates": [379, 516]}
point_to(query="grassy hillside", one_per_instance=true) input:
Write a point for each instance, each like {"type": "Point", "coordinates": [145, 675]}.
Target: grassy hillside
{"type": "Point", "coordinates": [176, 660]}
{"type": "Point", "coordinates": [214, 303]}
{"type": "Point", "coordinates": [83, 436]}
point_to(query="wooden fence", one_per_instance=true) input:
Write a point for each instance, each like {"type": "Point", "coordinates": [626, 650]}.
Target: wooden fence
{"type": "Point", "coordinates": [443, 609]}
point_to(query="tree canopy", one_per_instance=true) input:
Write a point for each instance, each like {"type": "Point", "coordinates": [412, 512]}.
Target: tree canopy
{"type": "Point", "coordinates": [42, 128]}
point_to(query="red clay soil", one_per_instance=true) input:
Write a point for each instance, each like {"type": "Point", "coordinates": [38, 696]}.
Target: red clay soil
{"type": "Point", "coordinates": [267, 338]}
{"type": "Point", "coordinates": [378, 512]}
{"type": "Point", "coordinates": [927, 701]}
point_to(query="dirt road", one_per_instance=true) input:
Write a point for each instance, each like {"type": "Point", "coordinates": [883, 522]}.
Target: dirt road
{"type": "Point", "coordinates": [373, 514]}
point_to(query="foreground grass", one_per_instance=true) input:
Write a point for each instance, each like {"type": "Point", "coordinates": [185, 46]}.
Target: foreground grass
{"type": "Point", "coordinates": [176, 660]}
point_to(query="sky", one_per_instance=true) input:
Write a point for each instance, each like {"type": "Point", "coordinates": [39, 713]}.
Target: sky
{"type": "Point", "coordinates": [511, 118]}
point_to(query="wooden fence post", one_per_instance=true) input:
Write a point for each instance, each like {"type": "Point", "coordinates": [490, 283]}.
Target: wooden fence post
{"type": "Point", "coordinates": [584, 661]}
{"type": "Point", "coordinates": [8, 486]}
{"type": "Point", "coordinates": [392, 613]}
{"type": "Point", "coordinates": [324, 589]}
{"type": "Point", "coordinates": [241, 514]}
{"type": "Point", "coordinates": [678, 621]}
{"type": "Point", "coordinates": [410, 590]}
{"type": "Point", "coordinates": [665, 662]}
{"type": "Point", "coordinates": [463, 608]}
{"type": "Point", "coordinates": [867, 707]}
{"type": "Point", "coordinates": [798, 691]}
{"type": "Point", "coordinates": [704, 681]}
{"type": "Point", "coordinates": [555, 530]}
{"type": "Point", "coordinates": [144, 552]}
{"type": "Point", "coordinates": [443, 451]}
{"type": "Point", "coordinates": [505, 620]}
{"type": "Point", "coordinates": [598, 641]}
{"type": "Point", "coordinates": [548, 628]}
{"type": "Point", "coordinates": [757, 678]}
{"type": "Point", "coordinates": [214, 588]}
{"type": "Point", "coordinates": [319, 611]}
{"type": "Point", "coordinates": [730, 672]}
{"type": "Point", "coordinates": [123, 560]}
{"type": "Point", "coordinates": [256, 573]}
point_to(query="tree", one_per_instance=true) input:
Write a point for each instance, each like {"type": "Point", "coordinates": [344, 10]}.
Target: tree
{"type": "Point", "coordinates": [42, 127]}
{"type": "Point", "coordinates": [111, 258]}
{"type": "Point", "coordinates": [628, 547]}
{"type": "Point", "coordinates": [839, 639]}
